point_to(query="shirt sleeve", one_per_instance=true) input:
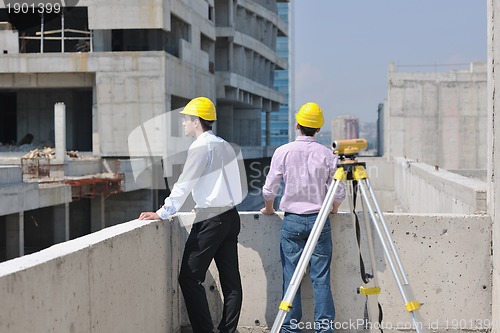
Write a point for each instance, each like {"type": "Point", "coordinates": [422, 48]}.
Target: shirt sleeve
{"type": "Point", "coordinates": [166, 210]}
{"type": "Point", "coordinates": [340, 195]}
{"type": "Point", "coordinates": [273, 178]}
{"type": "Point", "coordinates": [196, 164]}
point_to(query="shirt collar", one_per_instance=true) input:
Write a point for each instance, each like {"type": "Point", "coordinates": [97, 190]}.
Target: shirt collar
{"type": "Point", "coordinates": [305, 138]}
{"type": "Point", "coordinates": [205, 134]}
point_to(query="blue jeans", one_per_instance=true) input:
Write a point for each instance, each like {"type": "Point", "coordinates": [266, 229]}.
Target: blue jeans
{"type": "Point", "coordinates": [294, 233]}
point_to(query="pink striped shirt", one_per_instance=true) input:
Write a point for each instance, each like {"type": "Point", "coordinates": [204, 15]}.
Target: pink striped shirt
{"type": "Point", "coordinates": [306, 168]}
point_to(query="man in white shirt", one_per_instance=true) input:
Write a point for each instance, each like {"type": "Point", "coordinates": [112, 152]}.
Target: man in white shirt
{"type": "Point", "coordinates": [212, 174]}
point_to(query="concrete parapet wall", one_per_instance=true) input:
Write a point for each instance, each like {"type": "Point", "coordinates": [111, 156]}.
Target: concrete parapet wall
{"type": "Point", "coordinates": [124, 278]}
{"type": "Point", "coordinates": [120, 279]}
{"type": "Point", "coordinates": [422, 188]}
{"type": "Point", "coordinates": [381, 175]}
{"type": "Point", "coordinates": [10, 174]}
{"type": "Point", "coordinates": [27, 196]}
{"type": "Point", "coordinates": [149, 14]}
{"type": "Point", "coordinates": [78, 168]}
{"type": "Point", "coordinates": [449, 263]}
{"type": "Point", "coordinates": [447, 259]}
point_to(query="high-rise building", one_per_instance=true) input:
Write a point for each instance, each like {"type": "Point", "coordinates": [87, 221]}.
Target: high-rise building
{"type": "Point", "coordinates": [345, 127]}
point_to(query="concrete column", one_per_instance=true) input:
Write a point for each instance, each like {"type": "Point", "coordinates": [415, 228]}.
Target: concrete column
{"type": "Point", "coordinates": [61, 223]}
{"type": "Point", "coordinates": [230, 56]}
{"type": "Point", "coordinates": [96, 150]}
{"type": "Point", "coordinates": [230, 13]}
{"type": "Point", "coordinates": [493, 19]}
{"type": "Point", "coordinates": [247, 131]}
{"type": "Point", "coordinates": [14, 235]}
{"type": "Point", "coordinates": [97, 214]}
{"type": "Point", "coordinates": [225, 119]}
{"type": "Point", "coordinates": [60, 132]}
{"type": "Point", "coordinates": [102, 40]}
{"type": "Point", "coordinates": [158, 183]}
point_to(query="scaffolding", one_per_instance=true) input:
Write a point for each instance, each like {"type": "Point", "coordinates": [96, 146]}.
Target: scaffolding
{"type": "Point", "coordinates": [85, 38]}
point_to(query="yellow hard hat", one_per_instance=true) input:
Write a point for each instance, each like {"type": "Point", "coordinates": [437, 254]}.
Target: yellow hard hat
{"type": "Point", "coordinates": [310, 115]}
{"type": "Point", "coordinates": [201, 107]}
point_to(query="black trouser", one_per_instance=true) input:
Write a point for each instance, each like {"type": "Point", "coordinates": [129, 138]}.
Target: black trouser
{"type": "Point", "coordinates": [213, 238]}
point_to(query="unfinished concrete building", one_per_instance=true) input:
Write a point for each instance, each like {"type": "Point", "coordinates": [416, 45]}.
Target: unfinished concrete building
{"type": "Point", "coordinates": [118, 68]}
{"type": "Point", "coordinates": [439, 118]}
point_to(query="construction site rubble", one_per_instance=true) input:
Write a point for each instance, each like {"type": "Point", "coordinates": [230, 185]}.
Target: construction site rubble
{"type": "Point", "coordinates": [49, 153]}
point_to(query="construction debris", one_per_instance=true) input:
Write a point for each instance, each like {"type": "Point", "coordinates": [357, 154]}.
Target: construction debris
{"type": "Point", "coordinates": [49, 153]}
{"type": "Point", "coordinates": [73, 154]}
{"type": "Point", "coordinates": [41, 153]}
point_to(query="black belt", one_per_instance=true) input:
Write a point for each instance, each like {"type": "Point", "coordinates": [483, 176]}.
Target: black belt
{"type": "Point", "coordinates": [301, 215]}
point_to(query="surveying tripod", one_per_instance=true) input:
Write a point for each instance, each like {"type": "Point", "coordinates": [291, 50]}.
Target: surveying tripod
{"type": "Point", "coordinates": [355, 174]}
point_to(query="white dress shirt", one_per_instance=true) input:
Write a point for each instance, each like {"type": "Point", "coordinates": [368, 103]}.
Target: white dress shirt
{"type": "Point", "coordinates": [211, 173]}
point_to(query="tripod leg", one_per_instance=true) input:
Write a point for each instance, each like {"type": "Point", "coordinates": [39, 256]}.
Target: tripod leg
{"type": "Point", "coordinates": [286, 303]}
{"type": "Point", "coordinates": [371, 287]}
{"type": "Point", "coordinates": [411, 305]}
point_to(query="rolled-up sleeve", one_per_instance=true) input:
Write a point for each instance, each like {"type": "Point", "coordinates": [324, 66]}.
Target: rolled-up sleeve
{"type": "Point", "coordinates": [166, 210]}
{"type": "Point", "coordinates": [273, 178]}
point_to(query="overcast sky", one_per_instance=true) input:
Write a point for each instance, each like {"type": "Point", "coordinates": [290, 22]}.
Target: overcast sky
{"type": "Point", "coordinates": [343, 47]}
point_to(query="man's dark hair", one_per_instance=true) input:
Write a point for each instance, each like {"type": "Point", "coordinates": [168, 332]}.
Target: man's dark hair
{"type": "Point", "coordinates": [206, 125]}
{"type": "Point", "coordinates": [307, 131]}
